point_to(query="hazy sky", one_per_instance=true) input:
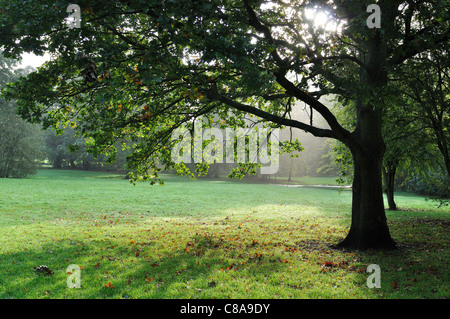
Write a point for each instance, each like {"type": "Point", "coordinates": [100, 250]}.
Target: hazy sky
{"type": "Point", "coordinates": [33, 60]}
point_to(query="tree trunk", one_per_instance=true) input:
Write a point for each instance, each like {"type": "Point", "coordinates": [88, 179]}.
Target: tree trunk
{"type": "Point", "coordinates": [290, 170]}
{"type": "Point", "coordinates": [445, 154]}
{"type": "Point", "coordinates": [369, 226]}
{"type": "Point", "coordinates": [72, 163]}
{"type": "Point", "coordinates": [58, 162]}
{"type": "Point", "coordinates": [389, 183]}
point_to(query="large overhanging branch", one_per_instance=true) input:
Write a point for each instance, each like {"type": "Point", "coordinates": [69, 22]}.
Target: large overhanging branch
{"type": "Point", "coordinates": [213, 94]}
{"type": "Point", "coordinates": [339, 132]}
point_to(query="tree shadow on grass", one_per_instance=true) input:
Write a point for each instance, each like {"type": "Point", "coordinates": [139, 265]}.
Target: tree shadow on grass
{"type": "Point", "coordinates": [418, 266]}
{"type": "Point", "coordinates": [194, 273]}
{"type": "Point", "coordinates": [206, 266]}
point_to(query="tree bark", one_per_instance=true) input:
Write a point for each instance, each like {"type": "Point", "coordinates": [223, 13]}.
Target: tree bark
{"type": "Point", "coordinates": [369, 227]}
{"type": "Point", "coordinates": [58, 161]}
{"type": "Point", "coordinates": [290, 170]}
{"type": "Point", "coordinates": [442, 145]}
{"type": "Point", "coordinates": [389, 183]}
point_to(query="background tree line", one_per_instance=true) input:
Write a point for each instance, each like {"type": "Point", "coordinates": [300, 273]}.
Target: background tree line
{"type": "Point", "coordinates": [67, 150]}
{"type": "Point", "coordinates": [20, 151]}
{"type": "Point", "coordinates": [25, 147]}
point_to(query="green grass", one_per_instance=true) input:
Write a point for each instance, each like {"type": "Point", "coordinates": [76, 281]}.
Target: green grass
{"type": "Point", "coordinates": [206, 239]}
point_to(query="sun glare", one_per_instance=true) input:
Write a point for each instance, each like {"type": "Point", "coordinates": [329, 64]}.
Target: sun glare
{"type": "Point", "coordinates": [320, 19]}
{"type": "Point", "coordinates": [29, 59]}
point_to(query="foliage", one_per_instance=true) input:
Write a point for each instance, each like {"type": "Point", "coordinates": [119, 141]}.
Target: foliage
{"type": "Point", "coordinates": [339, 157]}
{"type": "Point", "coordinates": [19, 140]}
{"type": "Point", "coordinates": [414, 127]}
{"type": "Point", "coordinates": [67, 150]}
{"type": "Point", "coordinates": [426, 109]}
{"type": "Point", "coordinates": [159, 65]}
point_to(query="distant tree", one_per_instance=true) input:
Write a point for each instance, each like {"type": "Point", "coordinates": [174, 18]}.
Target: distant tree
{"type": "Point", "coordinates": [56, 147]}
{"type": "Point", "coordinates": [67, 150]}
{"type": "Point", "coordinates": [20, 141]}
{"type": "Point", "coordinates": [407, 148]}
{"type": "Point", "coordinates": [427, 93]}
{"type": "Point", "coordinates": [416, 125]}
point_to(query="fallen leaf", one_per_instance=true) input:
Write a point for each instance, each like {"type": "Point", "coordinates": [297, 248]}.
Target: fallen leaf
{"type": "Point", "coordinates": [109, 285]}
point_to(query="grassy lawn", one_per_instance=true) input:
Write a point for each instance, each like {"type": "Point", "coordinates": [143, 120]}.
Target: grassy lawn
{"type": "Point", "coordinates": [206, 239]}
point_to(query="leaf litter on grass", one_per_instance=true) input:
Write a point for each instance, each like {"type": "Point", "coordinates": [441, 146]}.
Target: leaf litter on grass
{"type": "Point", "coordinates": [267, 250]}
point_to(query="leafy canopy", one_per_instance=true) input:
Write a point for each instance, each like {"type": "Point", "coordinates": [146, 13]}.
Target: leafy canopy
{"type": "Point", "coordinates": [139, 69]}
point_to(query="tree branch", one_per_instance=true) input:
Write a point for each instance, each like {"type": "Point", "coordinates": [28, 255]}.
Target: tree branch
{"type": "Point", "coordinates": [213, 94]}
{"type": "Point", "coordinates": [417, 44]}
{"type": "Point", "coordinates": [337, 130]}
